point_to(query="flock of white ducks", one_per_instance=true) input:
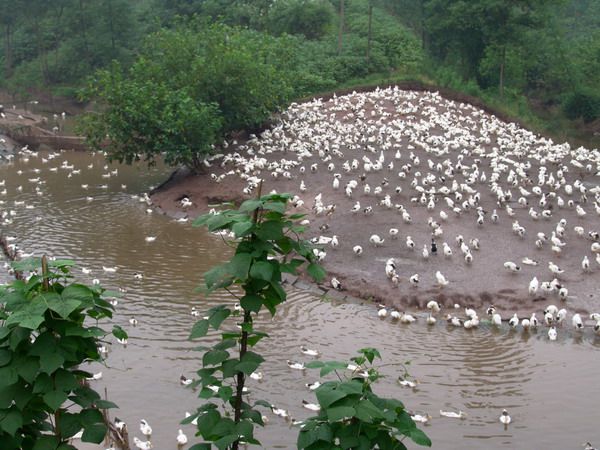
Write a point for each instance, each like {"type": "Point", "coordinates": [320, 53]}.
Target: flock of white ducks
{"type": "Point", "coordinates": [551, 317]}
{"type": "Point", "coordinates": [453, 182]}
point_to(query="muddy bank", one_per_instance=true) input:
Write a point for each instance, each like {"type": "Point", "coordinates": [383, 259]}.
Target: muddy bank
{"type": "Point", "coordinates": [420, 137]}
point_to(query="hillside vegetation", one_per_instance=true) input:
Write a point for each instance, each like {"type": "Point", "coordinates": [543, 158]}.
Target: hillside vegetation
{"type": "Point", "coordinates": [538, 60]}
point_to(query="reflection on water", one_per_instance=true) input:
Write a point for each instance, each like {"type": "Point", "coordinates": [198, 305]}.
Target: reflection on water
{"type": "Point", "coordinates": [548, 388]}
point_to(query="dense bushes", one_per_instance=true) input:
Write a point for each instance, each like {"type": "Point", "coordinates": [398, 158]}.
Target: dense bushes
{"type": "Point", "coordinates": [584, 104]}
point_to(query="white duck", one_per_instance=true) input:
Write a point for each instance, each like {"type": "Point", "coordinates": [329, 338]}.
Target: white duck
{"type": "Point", "coordinates": [145, 428]}
{"type": "Point", "coordinates": [181, 438]}
{"type": "Point", "coordinates": [505, 418]}
{"type": "Point", "coordinates": [453, 415]}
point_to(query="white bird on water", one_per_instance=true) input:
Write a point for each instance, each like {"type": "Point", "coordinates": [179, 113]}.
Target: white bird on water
{"type": "Point", "coordinates": [145, 428]}
{"type": "Point", "coordinates": [147, 445]}
{"type": "Point", "coordinates": [310, 352]}
{"type": "Point", "coordinates": [505, 418]}
{"type": "Point", "coordinates": [453, 415]}
{"type": "Point", "coordinates": [181, 438]}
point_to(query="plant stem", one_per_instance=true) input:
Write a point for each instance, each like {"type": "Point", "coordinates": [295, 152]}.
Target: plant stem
{"type": "Point", "coordinates": [240, 375]}
{"type": "Point", "coordinates": [243, 347]}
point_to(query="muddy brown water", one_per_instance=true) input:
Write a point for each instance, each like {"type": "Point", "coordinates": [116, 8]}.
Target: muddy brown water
{"type": "Point", "coordinates": [549, 388]}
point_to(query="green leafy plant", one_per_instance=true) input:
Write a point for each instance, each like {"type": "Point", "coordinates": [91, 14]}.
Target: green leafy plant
{"type": "Point", "coordinates": [268, 245]}
{"type": "Point", "coordinates": [352, 416]}
{"type": "Point", "coordinates": [44, 399]}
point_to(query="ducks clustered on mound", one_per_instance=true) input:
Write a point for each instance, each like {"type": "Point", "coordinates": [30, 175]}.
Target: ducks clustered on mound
{"type": "Point", "coordinates": [458, 198]}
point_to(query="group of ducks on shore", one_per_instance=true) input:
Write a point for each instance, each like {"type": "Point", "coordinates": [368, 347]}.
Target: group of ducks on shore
{"type": "Point", "coordinates": [435, 163]}
{"type": "Point", "coordinates": [552, 317]}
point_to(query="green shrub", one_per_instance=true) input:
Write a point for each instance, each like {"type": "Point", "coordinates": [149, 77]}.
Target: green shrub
{"type": "Point", "coordinates": [582, 103]}
{"type": "Point", "coordinates": [310, 18]}
{"type": "Point", "coordinates": [43, 342]}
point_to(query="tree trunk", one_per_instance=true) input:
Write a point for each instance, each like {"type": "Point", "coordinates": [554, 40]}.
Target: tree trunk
{"type": "Point", "coordinates": [112, 30]}
{"type": "Point", "coordinates": [341, 30]}
{"type": "Point", "coordinates": [7, 52]}
{"type": "Point", "coordinates": [369, 33]}
{"type": "Point", "coordinates": [83, 32]}
{"type": "Point", "coordinates": [502, 64]}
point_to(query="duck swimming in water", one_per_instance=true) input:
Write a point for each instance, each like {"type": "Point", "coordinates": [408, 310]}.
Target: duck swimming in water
{"type": "Point", "coordinates": [453, 415]}
{"type": "Point", "coordinates": [505, 418]}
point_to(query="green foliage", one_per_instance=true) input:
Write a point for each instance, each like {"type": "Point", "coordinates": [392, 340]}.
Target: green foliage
{"type": "Point", "coordinates": [189, 88]}
{"type": "Point", "coordinates": [62, 42]}
{"type": "Point", "coordinates": [310, 18]}
{"type": "Point", "coordinates": [583, 104]}
{"type": "Point", "coordinates": [352, 415]}
{"type": "Point", "coordinates": [43, 341]}
{"type": "Point", "coordinates": [144, 118]}
{"type": "Point", "coordinates": [267, 245]}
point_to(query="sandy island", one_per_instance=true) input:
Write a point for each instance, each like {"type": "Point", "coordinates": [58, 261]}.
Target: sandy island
{"type": "Point", "coordinates": [432, 157]}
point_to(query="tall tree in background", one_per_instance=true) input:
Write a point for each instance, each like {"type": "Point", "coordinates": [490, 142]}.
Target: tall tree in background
{"type": "Point", "coordinates": [341, 29]}
{"type": "Point", "coordinates": [469, 31]}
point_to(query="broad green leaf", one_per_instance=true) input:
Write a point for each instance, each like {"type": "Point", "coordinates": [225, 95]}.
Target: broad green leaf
{"type": "Point", "coordinates": [229, 367]}
{"type": "Point", "coordinates": [225, 344]}
{"type": "Point", "coordinates": [262, 270]}
{"type": "Point", "coordinates": [239, 265]}
{"type": "Point", "coordinates": [255, 337]}
{"type": "Point", "coordinates": [340, 412]}
{"type": "Point", "coordinates": [70, 424]}
{"type": "Point", "coordinates": [207, 421]}
{"type": "Point", "coordinates": [43, 384]}
{"type": "Point", "coordinates": [79, 292]}
{"type": "Point", "coordinates": [200, 447]}
{"type": "Point", "coordinates": [367, 411]}
{"type": "Point", "coordinates": [249, 363]}
{"type": "Point", "coordinates": [351, 387]}
{"type": "Point", "coordinates": [30, 315]}
{"type": "Point", "coordinates": [316, 271]}
{"type": "Point", "coordinates": [21, 394]}
{"type": "Point", "coordinates": [225, 393]}
{"type": "Point", "coordinates": [5, 356]}
{"type": "Point", "coordinates": [224, 442]}
{"type": "Point", "coordinates": [119, 332]}
{"type": "Point", "coordinates": [64, 446]}
{"type": "Point", "coordinates": [54, 399]}
{"type": "Point", "coordinates": [94, 433]}
{"type": "Point", "coordinates": [49, 362]}
{"type": "Point", "coordinates": [251, 302]}
{"type": "Point", "coordinates": [278, 207]}
{"type": "Point", "coordinates": [46, 443]}
{"type": "Point", "coordinates": [327, 395]}
{"type": "Point", "coordinates": [66, 380]}
{"type": "Point", "coordinates": [250, 205]}
{"type": "Point", "coordinates": [314, 364]}
{"type": "Point", "coordinates": [217, 222]}
{"type": "Point", "coordinates": [270, 230]}
{"type": "Point", "coordinates": [332, 366]}
{"type": "Point", "coordinates": [217, 316]}
{"type": "Point", "coordinates": [90, 416]}
{"type": "Point", "coordinates": [199, 329]}
{"type": "Point", "coordinates": [419, 437]}
{"type": "Point", "coordinates": [63, 306]}
{"type": "Point", "coordinates": [217, 276]}
{"type": "Point", "coordinates": [11, 421]}
{"type": "Point", "coordinates": [61, 263]}
{"type": "Point", "coordinates": [105, 404]}
{"type": "Point", "coordinates": [214, 357]}
{"type": "Point", "coordinates": [241, 229]}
